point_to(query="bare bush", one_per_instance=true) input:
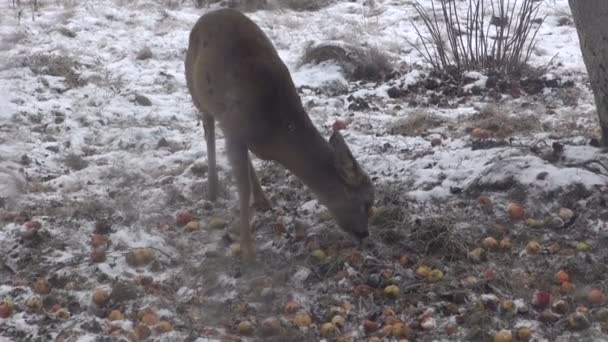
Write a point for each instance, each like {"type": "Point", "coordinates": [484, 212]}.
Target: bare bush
{"type": "Point", "coordinates": [503, 42]}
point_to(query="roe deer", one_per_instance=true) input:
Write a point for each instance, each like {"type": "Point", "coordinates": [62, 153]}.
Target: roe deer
{"type": "Point", "coordinates": [236, 77]}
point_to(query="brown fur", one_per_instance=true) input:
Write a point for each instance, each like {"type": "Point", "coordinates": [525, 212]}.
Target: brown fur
{"type": "Point", "coordinates": [236, 77]}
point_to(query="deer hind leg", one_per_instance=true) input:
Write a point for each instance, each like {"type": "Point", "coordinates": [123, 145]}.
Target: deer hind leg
{"type": "Point", "coordinates": [212, 180]}
{"type": "Point", "coordinates": [260, 201]}
{"type": "Point", "coordinates": [239, 160]}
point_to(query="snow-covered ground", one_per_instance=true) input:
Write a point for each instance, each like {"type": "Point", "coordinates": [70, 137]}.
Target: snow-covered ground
{"type": "Point", "coordinates": [92, 133]}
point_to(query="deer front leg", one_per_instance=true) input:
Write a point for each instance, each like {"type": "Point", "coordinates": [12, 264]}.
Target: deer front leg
{"type": "Point", "coordinates": [209, 127]}
{"type": "Point", "coordinates": [260, 201]}
{"type": "Point", "coordinates": [239, 159]}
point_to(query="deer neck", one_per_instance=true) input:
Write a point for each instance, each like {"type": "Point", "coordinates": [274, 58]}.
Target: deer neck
{"type": "Point", "coordinates": [310, 158]}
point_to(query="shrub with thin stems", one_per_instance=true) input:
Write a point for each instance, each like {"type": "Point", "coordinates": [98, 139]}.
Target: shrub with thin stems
{"type": "Point", "coordinates": [499, 38]}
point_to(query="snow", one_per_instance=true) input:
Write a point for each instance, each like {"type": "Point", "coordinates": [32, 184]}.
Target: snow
{"type": "Point", "coordinates": [318, 75]}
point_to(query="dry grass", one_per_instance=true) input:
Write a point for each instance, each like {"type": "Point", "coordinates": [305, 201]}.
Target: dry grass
{"type": "Point", "coordinates": [418, 123]}
{"type": "Point", "coordinates": [439, 237]}
{"type": "Point", "coordinates": [501, 122]}
{"type": "Point", "coordinates": [55, 65]}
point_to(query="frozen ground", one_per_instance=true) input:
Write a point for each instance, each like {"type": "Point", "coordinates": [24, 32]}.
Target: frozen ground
{"type": "Point", "coordinates": [97, 137]}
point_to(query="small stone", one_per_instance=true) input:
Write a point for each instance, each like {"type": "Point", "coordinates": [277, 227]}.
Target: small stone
{"type": "Point", "coordinates": [144, 53]}
{"type": "Point", "coordinates": [162, 142]}
{"type": "Point", "coordinates": [142, 100]}
{"type": "Point", "coordinates": [67, 32]}
{"type": "Point", "coordinates": [542, 175]}
{"type": "Point", "coordinates": [436, 142]}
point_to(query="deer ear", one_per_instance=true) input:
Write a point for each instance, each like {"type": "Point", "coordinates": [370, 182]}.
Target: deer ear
{"type": "Point", "coordinates": [344, 161]}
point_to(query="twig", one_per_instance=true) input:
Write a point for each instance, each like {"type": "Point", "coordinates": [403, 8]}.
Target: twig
{"type": "Point", "coordinates": [585, 164]}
